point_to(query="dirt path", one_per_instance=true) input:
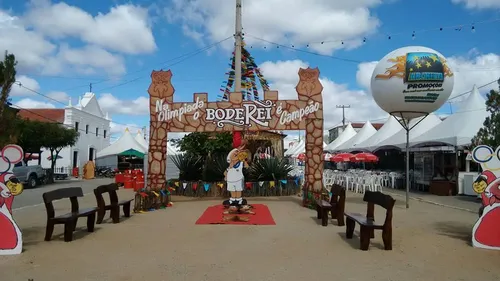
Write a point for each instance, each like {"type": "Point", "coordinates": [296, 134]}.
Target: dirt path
{"type": "Point", "coordinates": [430, 243]}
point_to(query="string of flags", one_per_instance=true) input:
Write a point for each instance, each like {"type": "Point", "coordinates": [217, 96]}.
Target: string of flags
{"type": "Point", "coordinates": [471, 27]}
{"type": "Point", "coordinates": [249, 185]}
{"type": "Point", "coordinates": [250, 73]}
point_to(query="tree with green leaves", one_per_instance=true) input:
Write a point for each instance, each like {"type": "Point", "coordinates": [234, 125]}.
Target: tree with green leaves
{"type": "Point", "coordinates": [489, 134]}
{"type": "Point", "coordinates": [55, 138]}
{"type": "Point", "coordinates": [27, 130]}
{"type": "Point", "coordinates": [8, 116]}
{"type": "Point", "coordinates": [204, 144]}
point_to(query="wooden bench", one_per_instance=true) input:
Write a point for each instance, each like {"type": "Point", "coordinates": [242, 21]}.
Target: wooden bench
{"type": "Point", "coordinates": [113, 206]}
{"type": "Point", "coordinates": [367, 223]}
{"type": "Point", "coordinates": [338, 203]}
{"type": "Point", "coordinates": [335, 206]}
{"type": "Point", "coordinates": [70, 219]}
{"type": "Point", "coordinates": [322, 210]}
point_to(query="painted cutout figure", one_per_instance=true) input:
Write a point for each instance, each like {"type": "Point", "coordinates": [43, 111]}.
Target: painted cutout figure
{"type": "Point", "coordinates": [11, 241]}
{"type": "Point", "coordinates": [237, 159]}
{"type": "Point", "coordinates": [486, 231]}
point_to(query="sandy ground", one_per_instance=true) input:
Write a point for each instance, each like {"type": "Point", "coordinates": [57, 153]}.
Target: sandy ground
{"type": "Point", "coordinates": [430, 243]}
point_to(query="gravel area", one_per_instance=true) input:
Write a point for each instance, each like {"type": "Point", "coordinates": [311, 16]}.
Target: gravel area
{"type": "Point", "coordinates": [430, 243]}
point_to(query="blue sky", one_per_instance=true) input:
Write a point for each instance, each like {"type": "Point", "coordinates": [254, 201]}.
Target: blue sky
{"type": "Point", "coordinates": [63, 47]}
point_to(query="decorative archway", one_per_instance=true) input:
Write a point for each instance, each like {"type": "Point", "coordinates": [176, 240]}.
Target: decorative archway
{"type": "Point", "coordinates": [306, 113]}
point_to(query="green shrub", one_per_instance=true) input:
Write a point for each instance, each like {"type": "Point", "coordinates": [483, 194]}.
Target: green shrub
{"type": "Point", "coordinates": [190, 166]}
{"type": "Point", "coordinates": [214, 167]}
{"type": "Point", "coordinates": [269, 169]}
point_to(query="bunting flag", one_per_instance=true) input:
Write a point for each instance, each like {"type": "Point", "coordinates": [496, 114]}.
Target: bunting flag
{"type": "Point", "coordinates": [156, 193]}
{"type": "Point", "coordinates": [330, 194]}
{"type": "Point", "coordinates": [195, 186]}
{"type": "Point", "coordinates": [283, 181]}
{"type": "Point", "coordinates": [261, 183]}
{"type": "Point", "coordinates": [248, 185]}
{"type": "Point", "coordinates": [177, 183]}
{"type": "Point", "coordinates": [297, 181]}
{"type": "Point", "coordinates": [143, 194]}
{"type": "Point", "coordinates": [206, 186]}
{"type": "Point", "coordinates": [271, 184]}
{"type": "Point", "coordinates": [184, 185]}
{"type": "Point", "coordinates": [163, 192]}
{"type": "Point", "coordinates": [220, 185]}
{"type": "Point", "coordinates": [171, 189]}
{"type": "Point", "coordinates": [250, 73]}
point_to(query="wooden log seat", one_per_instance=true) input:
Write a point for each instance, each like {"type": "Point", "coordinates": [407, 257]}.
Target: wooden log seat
{"type": "Point", "coordinates": [367, 223]}
{"type": "Point", "coordinates": [114, 204]}
{"type": "Point", "coordinates": [70, 219]}
{"type": "Point", "coordinates": [335, 206]}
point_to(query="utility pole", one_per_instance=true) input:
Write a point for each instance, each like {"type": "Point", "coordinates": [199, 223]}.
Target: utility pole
{"type": "Point", "coordinates": [144, 131]}
{"type": "Point", "coordinates": [238, 36]}
{"type": "Point", "coordinates": [343, 114]}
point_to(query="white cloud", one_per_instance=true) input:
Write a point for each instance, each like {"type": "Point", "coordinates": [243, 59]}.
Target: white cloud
{"type": "Point", "coordinates": [113, 105]}
{"type": "Point", "coordinates": [364, 74]}
{"type": "Point", "coordinates": [478, 4]}
{"type": "Point", "coordinates": [124, 28]}
{"type": "Point", "coordinates": [84, 60]}
{"type": "Point", "coordinates": [313, 21]}
{"type": "Point", "coordinates": [36, 38]}
{"type": "Point", "coordinates": [30, 103]}
{"type": "Point", "coordinates": [59, 96]}
{"type": "Point", "coordinates": [120, 128]}
{"type": "Point", "coordinates": [19, 91]}
{"type": "Point", "coordinates": [31, 49]}
{"type": "Point", "coordinates": [283, 77]}
{"type": "Point", "coordinates": [475, 68]}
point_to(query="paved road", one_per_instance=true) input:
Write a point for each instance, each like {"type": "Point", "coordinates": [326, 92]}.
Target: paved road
{"type": "Point", "coordinates": [31, 197]}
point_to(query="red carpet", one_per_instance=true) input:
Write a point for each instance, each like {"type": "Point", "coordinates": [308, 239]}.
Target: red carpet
{"type": "Point", "coordinates": [214, 215]}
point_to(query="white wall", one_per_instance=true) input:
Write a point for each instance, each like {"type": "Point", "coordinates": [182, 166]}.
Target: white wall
{"type": "Point", "coordinates": [85, 140]}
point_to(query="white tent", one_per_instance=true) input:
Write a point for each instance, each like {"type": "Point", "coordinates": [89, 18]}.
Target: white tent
{"type": "Point", "coordinates": [366, 132]}
{"type": "Point", "coordinates": [347, 134]}
{"type": "Point", "coordinates": [295, 147]}
{"type": "Point", "coordinates": [124, 143]}
{"type": "Point", "coordinates": [460, 127]}
{"type": "Point", "coordinates": [140, 139]}
{"type": "Point", "coordinates": [301, 148]}
{"type": "Point", "coordinates": [389, 129]}
{"type": "Point", "coordinates": [399, 139]}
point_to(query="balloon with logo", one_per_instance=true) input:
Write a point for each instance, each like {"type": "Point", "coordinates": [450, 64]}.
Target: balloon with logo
{"type": "Point", "coordinates": [412, 82]}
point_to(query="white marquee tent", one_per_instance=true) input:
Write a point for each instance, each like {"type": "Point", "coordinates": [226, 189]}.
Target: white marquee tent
{"type": "Point", "coordinates": [302, 149]}
{"type": "Point", "coordinates": [389, 129]}
{"type": "Point", "coordinates": [140, 139]}
{"type": "Point", "coordinates": [124, 143]}
{"type": "Point", "coordinates": [294, 147]}
{"type": "Point", "coordinates": [399, 139]}
{"type": "Point", "coordinates": [365, 133]}
{"type": "Point", "coordinates": [347, 134]}
{"type": "Point", "coordinates": [460, 127]}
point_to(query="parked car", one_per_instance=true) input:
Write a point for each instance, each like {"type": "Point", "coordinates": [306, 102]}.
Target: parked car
{"type": "Point", "coordinates": [31, 176]}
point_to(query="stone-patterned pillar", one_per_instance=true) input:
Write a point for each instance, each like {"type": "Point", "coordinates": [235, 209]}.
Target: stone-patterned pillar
{"type": "Point", "coordinates": [161, 89]}
{"type": "Point", "coordinates": [309, 89]}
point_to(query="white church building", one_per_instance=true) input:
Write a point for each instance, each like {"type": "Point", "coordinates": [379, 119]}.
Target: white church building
{"type": "Point", "coordinates": [87, 118]}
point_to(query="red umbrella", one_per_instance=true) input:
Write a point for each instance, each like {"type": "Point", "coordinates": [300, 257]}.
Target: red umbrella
{"type": "Point", "coordinates": [302, 157]}
{"type": "Point", "coordinates": [342, 157]}
{"type": "Point", "coordinates": [364, 157]}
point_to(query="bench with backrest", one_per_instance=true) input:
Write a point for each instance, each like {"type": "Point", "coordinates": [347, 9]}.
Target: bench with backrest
{"type": "Point", "coordinates": [114, 203]}
{"type": "Point", "coordinates": [335, 206]}
{"type": "Point", "coordinates": [70, 219]}
{"type": "Point", "coordinates": [367, 223]}
{"type": "Point", "coordinates": [337, 201]}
